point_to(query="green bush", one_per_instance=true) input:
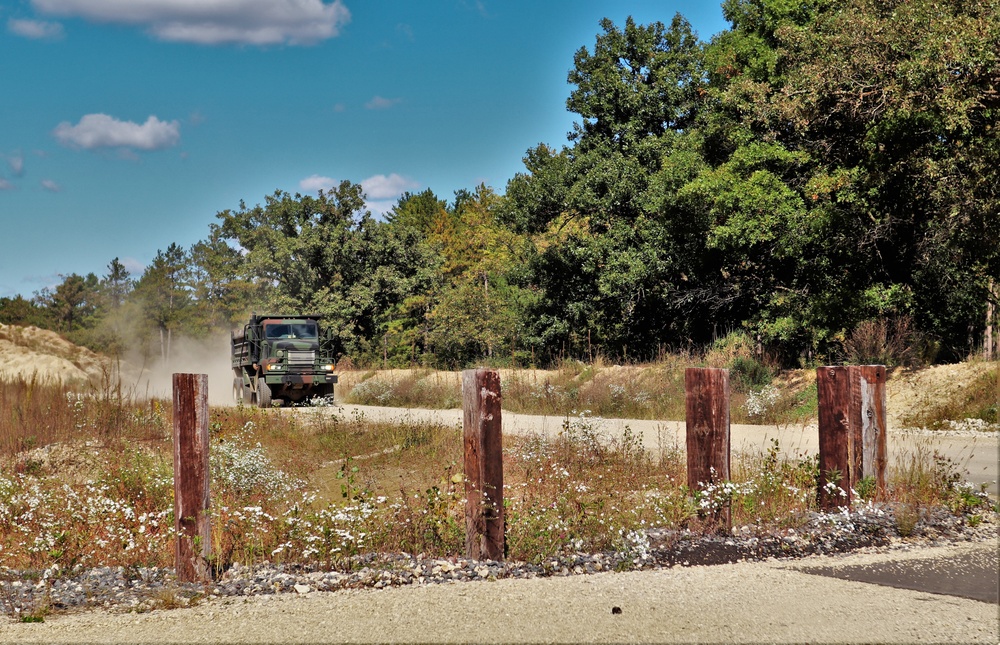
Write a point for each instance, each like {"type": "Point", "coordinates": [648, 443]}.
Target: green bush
{"type": "Point", "coordinates": [748, 373]}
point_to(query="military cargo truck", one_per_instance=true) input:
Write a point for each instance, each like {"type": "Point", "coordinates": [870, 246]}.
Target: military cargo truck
{"type": "Point", "coordinates": [282, 360]}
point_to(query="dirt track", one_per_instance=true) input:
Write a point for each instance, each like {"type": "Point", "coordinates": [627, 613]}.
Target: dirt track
{"type": "Point", "coordinates": [774, 601]}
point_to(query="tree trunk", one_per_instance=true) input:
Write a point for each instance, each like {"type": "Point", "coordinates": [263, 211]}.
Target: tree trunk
{"type": "Point", "coordinates": [988, 337]}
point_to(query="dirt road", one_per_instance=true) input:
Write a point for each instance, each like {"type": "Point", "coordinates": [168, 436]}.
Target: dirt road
{"type": "Point", "coordinates": [773, 601]}
{"type": "Point", "coordinates": [975, 452]}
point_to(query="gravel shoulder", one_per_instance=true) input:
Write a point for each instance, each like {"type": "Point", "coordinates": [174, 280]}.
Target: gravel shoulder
{"type": "Point", "coordinates": [769, 601]}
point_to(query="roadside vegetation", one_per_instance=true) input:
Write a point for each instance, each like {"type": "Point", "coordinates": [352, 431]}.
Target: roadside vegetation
{"type": "Point", "coordinates": [644, 391]}
{"type": "Point", "coordinates": [761, 393]}
{"type": "Point", "coordinates": [86, 481]}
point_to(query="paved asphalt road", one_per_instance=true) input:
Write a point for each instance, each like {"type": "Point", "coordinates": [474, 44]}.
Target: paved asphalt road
{"type": "Point", "coordinates": [973, 574]}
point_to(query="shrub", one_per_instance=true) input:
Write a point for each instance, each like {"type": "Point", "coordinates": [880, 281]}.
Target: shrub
{"type": "Point", "coordinates": [747, 373]}
{"type": "Point", "coordinates": [883, 342]}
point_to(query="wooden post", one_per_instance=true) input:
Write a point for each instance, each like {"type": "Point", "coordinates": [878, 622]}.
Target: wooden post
{"type": "Point", "coordinates": [869, 416]}
{"type": "Point", "coordinates": [852, 429]}
{"type": "Point", "coordinates": [484, 513]}
{"type": "Point", "coordinates": [706, 402]}
{"type": "Point", "coordinates": [833, 385]}
{"type": "Point", "coordinates": [191, 499]}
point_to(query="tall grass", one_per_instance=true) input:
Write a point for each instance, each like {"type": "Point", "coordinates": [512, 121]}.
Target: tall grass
{"type": "Point", "coordinates": [94, 486]}
{"type": "Point", "coordinates": [648, 391]}
{"type": "Point", "coordinates": [404, 388]}
{"type": "Point", "coordinates": [639, 391]}
{"type": "Point", "coordinates": [35, 413]}
{"type": "Point", "coordinates": [86, 477]}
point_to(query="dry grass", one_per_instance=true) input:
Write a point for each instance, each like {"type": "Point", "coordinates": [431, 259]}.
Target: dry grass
{"type": "Point", "coordinates": [978, 398]}
{"type": "Point", "coordinates": [314, 487]}
{"type": "Point", "coordinates": [635, 391]}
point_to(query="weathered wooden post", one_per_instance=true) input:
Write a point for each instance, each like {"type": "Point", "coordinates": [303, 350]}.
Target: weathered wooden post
{"type": "Point", "coordinates": [868, 426]}
{"type": "Point", "coordinates": [484, 513]}
{"type": "Point", "coordinates": [852, 430]}
{"type": "Point", "coordinates": [706, 402]}
{"type": "Point", "coordinates": [191, 499]}
{"type": "Point", "coordinates": [833, 385]}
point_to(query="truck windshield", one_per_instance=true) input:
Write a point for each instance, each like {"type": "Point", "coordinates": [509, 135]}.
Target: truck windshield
{"type": "Point", "coordinates": [304, 330]}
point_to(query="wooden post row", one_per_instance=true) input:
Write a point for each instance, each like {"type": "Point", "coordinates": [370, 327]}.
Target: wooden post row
{"type": "Point", "coordinates": [852, 430]}
{"type": "Point", "coordinates": [706, 402]}
{"type": "Point", "coordinates": [191, 475]}
{"type": "Point", "coordinates": [483, 442]}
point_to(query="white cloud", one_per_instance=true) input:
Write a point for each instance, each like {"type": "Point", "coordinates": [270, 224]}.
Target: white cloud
{"type": "Point", "coordinates": [213, 22]}
{"type": "Point", "coordinates": [35, 29]}
{"type": "Point", "coordinates": [103, 131]}
{"type": "Point", "coordinates": [380, 206]}
{"type": "Point", "coordinates": [51, 186]}
{"type": "Point", "coordinates": [5, 185]}
{"type": "Point", "coordinates": [16, 163]}
{"type": "Point", "coordinates": [406, 31]}
{"type": "Point", "coordinates": [381, 191]}
{"type": "Point", "coordinates": [133, 266]}
{"type": "Point", "coordinates": [381, 187]}
{"type": "Point", "coordinates": [380, 103]}
{"type": "Point", "coordinates": [316, 183]}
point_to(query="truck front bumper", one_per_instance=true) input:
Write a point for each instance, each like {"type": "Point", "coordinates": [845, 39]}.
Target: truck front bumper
{"type": "Point", "coordinates": [294, 380]}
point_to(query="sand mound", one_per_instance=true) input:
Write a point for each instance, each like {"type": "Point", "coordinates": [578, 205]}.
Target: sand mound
{"type": "Point", "coordinates": [30, 352]}
{"type": "Point", "coordinates": [909, 391]}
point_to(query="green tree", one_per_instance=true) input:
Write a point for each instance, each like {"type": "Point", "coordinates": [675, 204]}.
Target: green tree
{"type": "Point", "coordinates": [113, 320]}
{"type": "Point", "coordinates": [901, 99]}
{"type": "Point", "coordinates": [420, 210]}
{"type": "Point", "coordinates": [850, 166]}
{"type": "Point", "coordinates": [605, 262]}
{"type": "Point", "coordinates": [163, 295]}
{"type": "Point", "coordinates": [72, 302]}
{"type": "Point", "coordinates": [116, 284]}
{"type": "Point", "coordinates": [479, 310]}
{"type": "Point", "coordinates": [817, 165]}
{"type": "Point", "coordinates": [19, 311]}
{"type": "Point", "coordinates": [220, 291]}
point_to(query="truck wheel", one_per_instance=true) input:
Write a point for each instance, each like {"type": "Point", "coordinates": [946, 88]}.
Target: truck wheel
{"type": "Point", "coordinates": [237, 391]}
{"type": "Point", "coordinates": [263, 394]}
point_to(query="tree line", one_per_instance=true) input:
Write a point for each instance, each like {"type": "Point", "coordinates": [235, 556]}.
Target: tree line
{"type": "Point", "coordinates": [819, 166]}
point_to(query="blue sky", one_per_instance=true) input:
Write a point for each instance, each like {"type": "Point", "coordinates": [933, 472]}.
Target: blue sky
{"type": "Point", "coordinates": [126, 125]}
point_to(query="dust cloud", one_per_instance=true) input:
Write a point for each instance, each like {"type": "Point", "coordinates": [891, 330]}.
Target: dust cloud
{"type": "Point", "coordinates": [153, 377]}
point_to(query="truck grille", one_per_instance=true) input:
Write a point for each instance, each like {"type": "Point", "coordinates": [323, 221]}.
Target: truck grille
{"type": "Point", "coordinates": [301, 358]}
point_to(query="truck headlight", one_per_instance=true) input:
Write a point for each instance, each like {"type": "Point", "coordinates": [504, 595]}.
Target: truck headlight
{"type": "Point", "coordinates": [273, 367]}
{"type": "Point", "coordinates": [326, 368]}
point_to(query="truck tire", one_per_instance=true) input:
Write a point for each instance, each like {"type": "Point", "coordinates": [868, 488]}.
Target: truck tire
{"type": "Point", "coordinates": [263, 394]}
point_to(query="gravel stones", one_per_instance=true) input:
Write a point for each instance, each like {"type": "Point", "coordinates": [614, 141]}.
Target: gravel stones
{"type": "Point", "coordinates": [143, 589]}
